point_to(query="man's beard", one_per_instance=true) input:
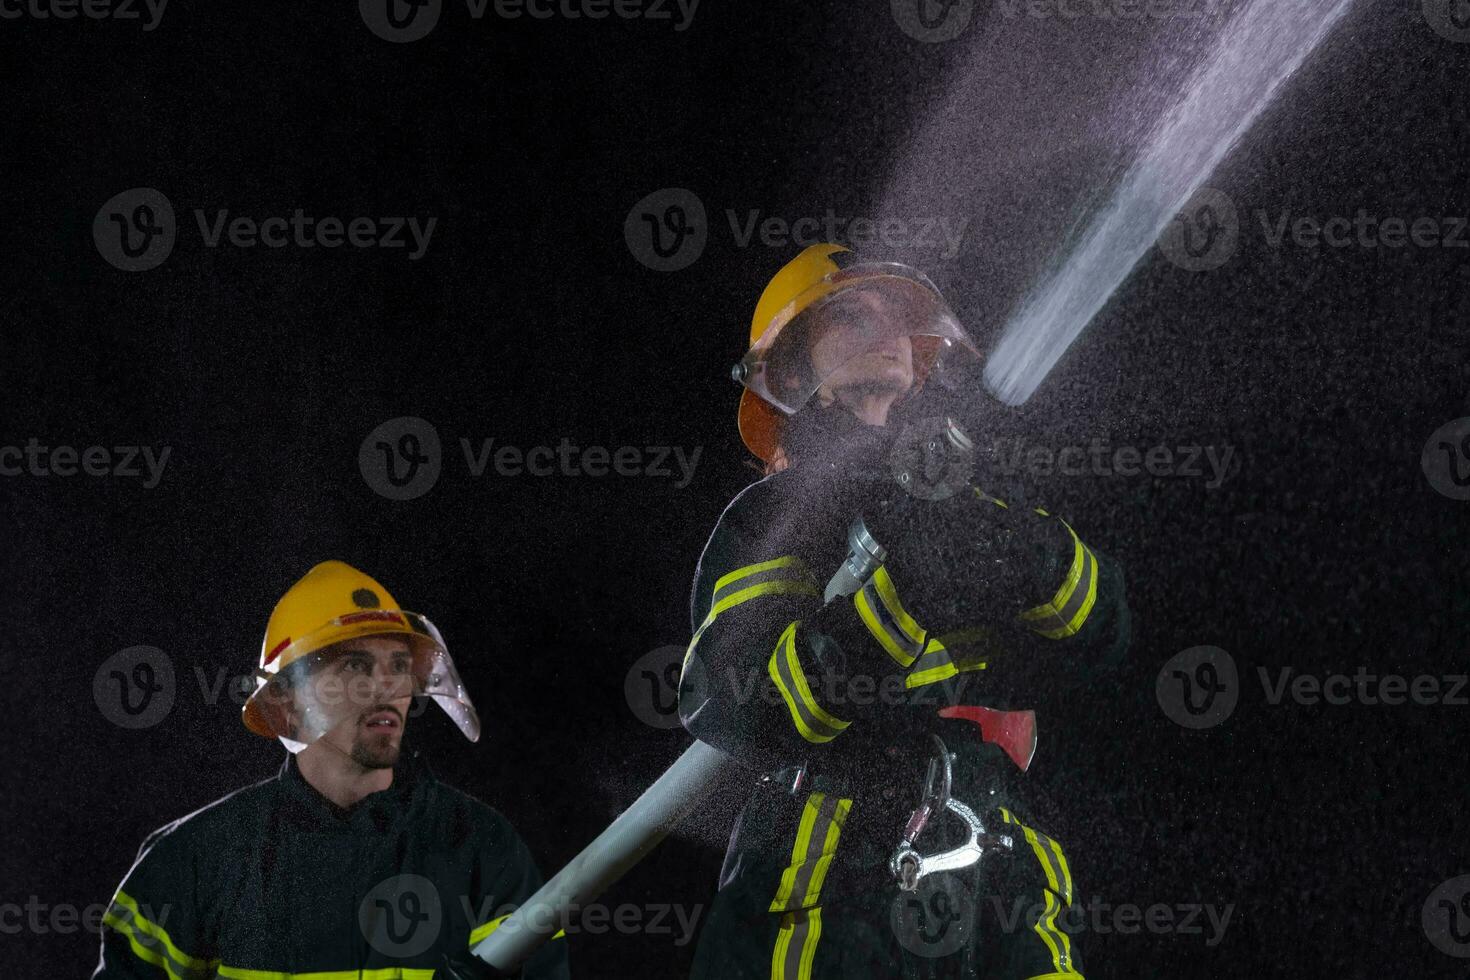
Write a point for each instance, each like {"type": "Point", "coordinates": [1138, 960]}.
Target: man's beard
{"type": "Point", "coordinates": [372, 754]}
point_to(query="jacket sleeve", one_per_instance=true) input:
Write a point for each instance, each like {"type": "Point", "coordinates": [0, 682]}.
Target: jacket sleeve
{"type": "Point", "coordinates": [505, 876]}
{"type": "Point", "coordinates": [772, 676]}
{"type": "Point", "coordinates": [154, 928]}
{"type": "Point", "coordinates": [1053, 622]}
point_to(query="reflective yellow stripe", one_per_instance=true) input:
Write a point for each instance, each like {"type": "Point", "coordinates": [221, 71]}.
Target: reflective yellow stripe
{"type": "Point", "coordinates": [1064, 615]}
{"type": "Point", "coordinates": [1059, 891]}
{"type": "Point", "coordinates": [829, 851]}
{"type": "Point", "coordinates": [994, 500]}
{"type": "Point", "coordinates": [786, 561]}
{"type": "Point", "coordinates": [889, 595]}
{"type": "Point", "coordinates": [480, 932]}
{"type": "Point", "coordinates": [387, 973]}
{"type": "Point", "coordinates": [796, 945]}
{"type": "Point", "coordinates": [814, 723]}
{"type": "Point", "coordinates": [799, 582]}
{"type": "Point", "coordinates": [784, 586]}
{"type": "Point", "coordinates": [1057, 976]}
{"type": "Point", "coordinates": [939, 662]}
{"type": "Point", "coordinates": [798, 850]}
{"type": "Point", "coordinates": [904, 639]}
{"type": "Point", "coordinates": [817, 835]}
{"type": "Point", "coordinates": [934, 666]}
{"type": "Point", "coordinates": [150, 942]}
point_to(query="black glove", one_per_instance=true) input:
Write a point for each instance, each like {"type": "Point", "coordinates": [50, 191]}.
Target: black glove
{"type": "Point", "coordinates": [965, 561]}
{"type": "Point", "coordinates": [464, 965]}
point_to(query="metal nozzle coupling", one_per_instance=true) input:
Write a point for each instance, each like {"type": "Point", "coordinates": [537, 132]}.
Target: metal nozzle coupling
{"type": "Point", "coordinates": [864, 555]}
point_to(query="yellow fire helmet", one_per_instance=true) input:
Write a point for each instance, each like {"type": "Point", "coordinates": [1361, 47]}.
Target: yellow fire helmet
{"type": "Point", "coordinates": [335, 602]}
{"type": "Point", "coordinates": [791, 316]}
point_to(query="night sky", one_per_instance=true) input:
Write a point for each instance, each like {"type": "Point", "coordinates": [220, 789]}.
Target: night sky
{"type": "Point", "coordinates": [533, 317]}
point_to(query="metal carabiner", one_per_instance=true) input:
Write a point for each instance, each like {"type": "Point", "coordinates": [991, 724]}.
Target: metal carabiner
{"type": "Point", "coordinates": [907, 864]}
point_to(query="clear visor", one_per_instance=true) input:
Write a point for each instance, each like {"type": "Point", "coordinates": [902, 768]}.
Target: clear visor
{"type": "Point", "coordinates": [878, 323]}
{"type": "Point", "coordinates": [363, 680]}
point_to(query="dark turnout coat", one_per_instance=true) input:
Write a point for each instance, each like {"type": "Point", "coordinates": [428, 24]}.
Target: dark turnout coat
{"type": "Point", "coordinates": [274, 881]}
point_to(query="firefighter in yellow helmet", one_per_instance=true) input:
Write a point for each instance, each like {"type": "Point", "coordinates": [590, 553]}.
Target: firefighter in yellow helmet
{"type": "Point", "coordinates": [869, 641]}
{"type": "Point", "coordinates": [354, 860]}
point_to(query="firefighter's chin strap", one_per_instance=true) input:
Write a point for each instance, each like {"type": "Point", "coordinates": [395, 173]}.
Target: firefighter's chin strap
{"type": "Point", "coordinates": [907, 864]}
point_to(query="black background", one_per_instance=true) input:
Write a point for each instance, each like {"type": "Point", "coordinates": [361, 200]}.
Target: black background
{"type": "Point", "coordinates": [529, 320]}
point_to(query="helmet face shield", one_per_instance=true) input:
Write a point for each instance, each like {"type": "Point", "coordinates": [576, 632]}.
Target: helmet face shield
{"type": "Point", "coordinates": [889, 314]}
{"type": "Point", "coordinates": [342, 684]}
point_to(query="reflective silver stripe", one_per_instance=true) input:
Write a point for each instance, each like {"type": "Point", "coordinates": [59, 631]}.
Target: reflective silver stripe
{"type": "Point", "coordinates": [1057, 623]}
{"type": "Point", "coordinates": [812, 727]}
{"type": "Point", "coordinates": [132, 927]}
{"type": "Point", "coordinates": [796, 945]}
{"type": "Point", "coordinates": [817, 837]}
{"type": "Point", "coordinates": [885, 619]}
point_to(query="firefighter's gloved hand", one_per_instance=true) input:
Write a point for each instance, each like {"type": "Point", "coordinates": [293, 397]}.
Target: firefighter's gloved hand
{"type": "Point", "coordinates": [464, 965]}
{"type": "Point", "coordinates": [965, 561]}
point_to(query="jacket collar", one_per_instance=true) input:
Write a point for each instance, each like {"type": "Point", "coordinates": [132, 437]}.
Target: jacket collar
{"type": "Point", "coordinates": [380, 812]}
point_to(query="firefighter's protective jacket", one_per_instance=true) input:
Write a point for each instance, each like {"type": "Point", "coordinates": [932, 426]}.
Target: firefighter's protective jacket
{"type": "Point", "coordinates": [757, 613]}
{"type": "Point", "coordinates": [275, 881]}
